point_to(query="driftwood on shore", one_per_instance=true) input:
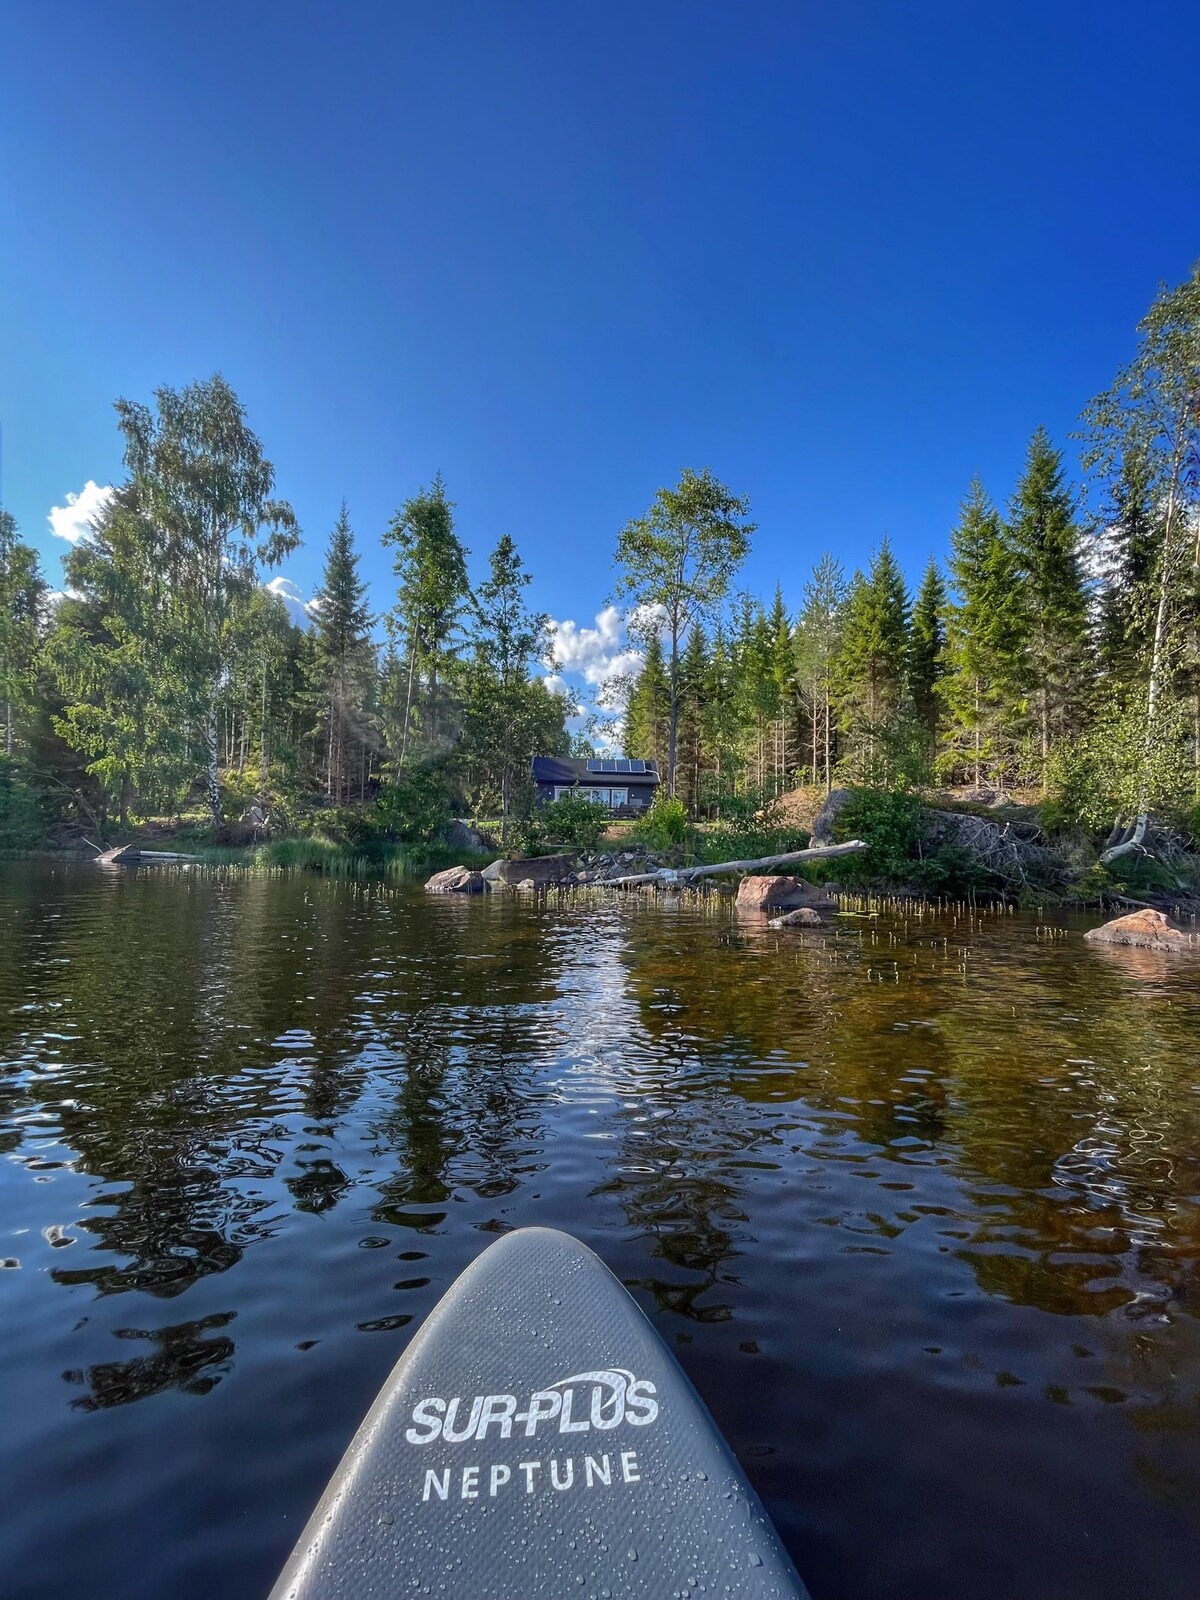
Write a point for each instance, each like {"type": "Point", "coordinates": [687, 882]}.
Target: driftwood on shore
{"type": "Point", "coordinates": [128, 853]}
{"type": "Point", "coordinates": [668, 875]}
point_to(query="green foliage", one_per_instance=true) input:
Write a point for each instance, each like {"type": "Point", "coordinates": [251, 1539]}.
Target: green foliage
{"type": "Point", "coordinates": [344, 665]}
{"type": "Point", "coordinates": [751, 825]}
{"type": "Point", "coordinates": [890, 823]}
{"type": "Point", "coordinates": [984, 687]}
{"type": "Point", "coordinates": [416, 804]}
{"type": "Point", "coordinates": [433, 594]}
{"type": "Point", "coordinates": [665, 824]}
{"type": "Point", "coordinates": [1107, 771]}
{"type": "Point", "coordinates": [927, 651]}
{"type": "Point", "coordinates": [676, 564]}
{"type": "Point", "coordinates": [871, 667]}
{"type": "Point", "coordinates": [572, 819]}
{"type": "Point", "coordinates": [22, 595]}
{"type": "Point", "coordinates": [22, 823]}
{"type": "Point", "coordinates": [1047, 544]}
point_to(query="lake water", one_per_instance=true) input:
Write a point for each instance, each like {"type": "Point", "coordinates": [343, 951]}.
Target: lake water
{"type": "Point", "coordinates": [916, 1202]}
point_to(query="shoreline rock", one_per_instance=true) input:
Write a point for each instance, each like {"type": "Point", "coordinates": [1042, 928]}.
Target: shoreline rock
{"type": "Point", "coordinates": [760, 893]}
{"type": "Point", "coordinates": [457, 880]}
{"type": "Point", "coordinates": [1145, 930]}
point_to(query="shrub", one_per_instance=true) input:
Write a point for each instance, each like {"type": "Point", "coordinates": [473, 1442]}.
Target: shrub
{"type": "Point", "coordinates": [665, 824]}
{"type": "Point", "coordinates": [415, 805]}
{"type": "Point", "coordinates": [572, 819]}
{"type": "Point", "coordinates": [890, 823]}
{"type": "Point", "coordinates": [751, 825]}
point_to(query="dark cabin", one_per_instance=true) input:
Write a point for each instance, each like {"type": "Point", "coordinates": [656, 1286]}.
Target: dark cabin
{"type": "Point", "coordinates": [619, 785]}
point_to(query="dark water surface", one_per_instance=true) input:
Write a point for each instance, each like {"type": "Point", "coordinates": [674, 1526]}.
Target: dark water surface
{"type": "Point", "coordinates": [917, 1203]}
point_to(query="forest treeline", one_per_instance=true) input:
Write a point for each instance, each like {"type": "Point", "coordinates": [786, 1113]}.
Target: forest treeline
{"type": "Point", "coordinates": [1054, 647]}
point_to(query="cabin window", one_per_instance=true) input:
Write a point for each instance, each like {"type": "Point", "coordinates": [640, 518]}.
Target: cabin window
{"type": "Point", "coordinates": [599, 797]}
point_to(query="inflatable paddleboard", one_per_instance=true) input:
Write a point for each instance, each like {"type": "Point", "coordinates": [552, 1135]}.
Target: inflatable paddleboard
{"type": "Point", "coordinates": [538, 1439]}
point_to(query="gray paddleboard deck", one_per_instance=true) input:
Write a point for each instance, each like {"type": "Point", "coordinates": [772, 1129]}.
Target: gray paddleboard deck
{"type": "Point", "coordinates": [538, 1438]}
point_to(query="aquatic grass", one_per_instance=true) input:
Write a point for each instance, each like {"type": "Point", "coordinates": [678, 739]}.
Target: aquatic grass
{"type": "Point", "coordinates": [399, 863]}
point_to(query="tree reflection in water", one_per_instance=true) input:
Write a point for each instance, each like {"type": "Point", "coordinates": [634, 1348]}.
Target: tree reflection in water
{"type": "Point", "coordinates": [916, 1190]}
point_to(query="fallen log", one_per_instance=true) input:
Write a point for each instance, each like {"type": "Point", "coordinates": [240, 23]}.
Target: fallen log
{"type": "Point", "coordinates": [684, 874]}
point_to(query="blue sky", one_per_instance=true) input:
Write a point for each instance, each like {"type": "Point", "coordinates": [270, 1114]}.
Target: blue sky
{"type": "Point", "coordinates": [844, 255]}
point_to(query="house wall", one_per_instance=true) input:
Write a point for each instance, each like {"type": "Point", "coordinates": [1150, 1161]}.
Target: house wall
{"type": "Point", "coordinates": [640, 794]}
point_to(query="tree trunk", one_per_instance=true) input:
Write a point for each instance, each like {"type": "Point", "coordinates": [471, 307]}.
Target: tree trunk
{"type": "Point", "coordinates": [412, 662]}
{"type": "Point", "coordinates": [212, 737]}
{"type": "Point", "coordinates": [262, 730]}
{"type": "Point", "coordinates": [1156, 666]}
{"type": "Point", "coordinates": [673, 721]}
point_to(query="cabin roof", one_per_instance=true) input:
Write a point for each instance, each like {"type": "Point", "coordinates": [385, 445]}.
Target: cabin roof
{"type": "Point", "coordinates": [602, 771]}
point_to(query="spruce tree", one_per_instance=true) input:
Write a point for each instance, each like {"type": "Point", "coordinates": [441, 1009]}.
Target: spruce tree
{"type": "Point", "coordinates": [648, 708]}
{"type": "Point", "coordinates": [783, 675]}
{"type": "Point", "coordinates": [1130, 538]}
{"type": "Point", "coordinates": [927, 650]}
{"type": "Point", "coordinates": [693, 693]}
{"type": "Point", "coordinates": [1046, 540]}
{"type": "Point", "coordinates": [984, 684]}
{"type": "Point", "coordinates": [344, 657]}
{"type": "Point", "coordinates": [21, 595]}
{"type": "Point", "coordinates": [873, 661]}
{"type": "Point", "coordinates": [818, 645]}
{"type": "Point", "coordinates": [433, 592]}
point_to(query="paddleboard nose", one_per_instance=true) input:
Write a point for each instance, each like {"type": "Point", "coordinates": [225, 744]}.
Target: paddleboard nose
{"type": "Point", "coordinates": [538, 1438]}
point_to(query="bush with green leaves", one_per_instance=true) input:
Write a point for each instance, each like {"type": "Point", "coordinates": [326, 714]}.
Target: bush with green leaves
{"type": "Point", "coordinates": [415, 804]}
{"type": "Point", "coordinates": [890, 823]}
{"type": "Point", "coordinates": [665, 825]}
{"type": "Point", "coordinates": [1110, 772]}
{"type": "Point", "coordinates": [572, 819]}
{"type": "Point", "coordinates": [751, 825]}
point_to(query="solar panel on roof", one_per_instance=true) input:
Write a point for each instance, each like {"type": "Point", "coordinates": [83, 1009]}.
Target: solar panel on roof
{"type": "Point", "coordinates": [637, 766]}
{"type": "Point", "coordinates": [595, 766]}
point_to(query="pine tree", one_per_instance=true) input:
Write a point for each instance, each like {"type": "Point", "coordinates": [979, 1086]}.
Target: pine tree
{"type": "Point", "coordinates": [927, 650]}
{"type": "Point", "coordinates": [676, 564]}
{"type": "Point", "coordinates": [983, 687]}
{"type": "Point", "coordinates": [344, 658]}
{"type": "Point", "coordinates": [1046, 541]}
{"type": "Point", "coordinates": [721, 722]}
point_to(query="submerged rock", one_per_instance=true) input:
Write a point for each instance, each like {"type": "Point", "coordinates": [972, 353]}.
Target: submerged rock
{"type": "Point", "coordinates": [802, 917]}
{"type": "Point", "coordinates": [456, 880]}
{"type": "Point", "coordinates": [777, 893]}
{"type": "Point", "coordinates": [1148, 930]}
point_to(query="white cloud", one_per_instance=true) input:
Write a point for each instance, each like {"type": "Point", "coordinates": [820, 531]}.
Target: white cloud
{"type": "Point", "coordinates": [299, 609]}
{"type": "Point", "coordinates": [595, 654]}
{"type": "Point", "coordinates": [556, 683]}
{"type": "Point", "coordinates": [73, 521]}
